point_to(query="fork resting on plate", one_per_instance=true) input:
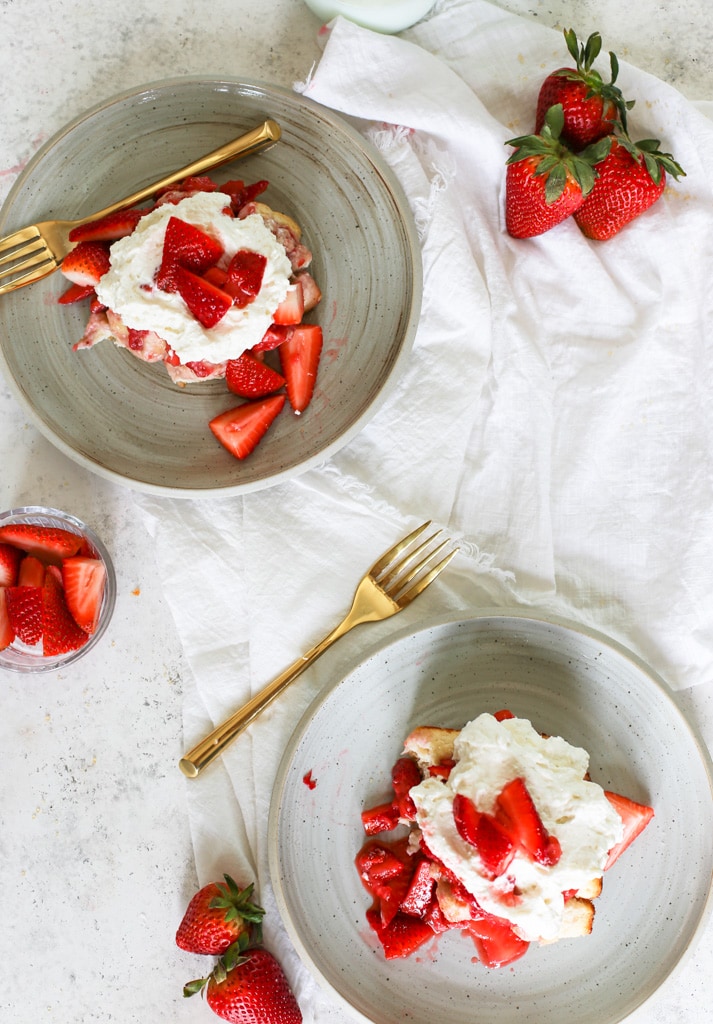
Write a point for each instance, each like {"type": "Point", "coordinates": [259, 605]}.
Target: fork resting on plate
{"type": "Point", "coordinates": [31, 253]}
{"type": "Point", "coordinates": [389, 586]}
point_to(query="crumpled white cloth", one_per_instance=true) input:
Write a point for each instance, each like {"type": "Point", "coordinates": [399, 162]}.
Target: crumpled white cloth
{"type": "Point", "coordinates": [556, 417]}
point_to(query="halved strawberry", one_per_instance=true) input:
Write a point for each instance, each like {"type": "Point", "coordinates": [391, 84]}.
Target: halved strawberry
{"type": "Point", "coordinates": [86, 264]}
{"type": "Point", "coordinates": [60, 633]}
{"type": "Point", "coordinates": [185, 245]}
{"type": "Point", "coordinates": [84, 580]}
{"type": "Point", "coordinates": [244, 276]}
{"type": "Point", "coordinates": [240, 430]}
{"type": "Point", "coordinates": [109, 228]}
{"type": "Point", "coordinates": [381, 818]}
{"type": "Point", "coordinates": [32, 572]}
{"type": "Point", "coordinates": [485, 833]}
{"type": "Point", "coordinates": [10, 558]}
{"type": "Point", "coordinates": [48, 543]}
{"type": "Point", "coordinates": [405, 775]}
{"type": "Point", "coordinates": [635, 817]}
{"type": "Point", "coordinates": [250, 378]}
{"type": "Point", "coordinates": [516, 811]}
{"type": "Point", "coordinates": [274, 336]}
{"type": "Point", "coordinates": [7, 633]}
{"type": "Point", "coordinates": [291, 309]}
{"type": "Point", "coordinates": [299, 357]}
{"type": "Point", "coordinates": [240, 193]}
{"type": "Point", "coordinates": [207, 303]}
{"type": "Point", "coordinates": [76, 293]}
{"type": "Point", "coordinates": [24, 609]}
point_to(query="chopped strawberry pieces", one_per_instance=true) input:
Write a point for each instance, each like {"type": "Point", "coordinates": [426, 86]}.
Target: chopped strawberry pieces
{"type": "Point", "coordinates": [299, 356]}
{"type": "Point", "coordinates": [274, 336]}
{"type": "Point", "coordinates": [31, 573]}
{"type": "Point", "coordinates": [187, 246]}
{"type": "Point", "coordinates": [402, 935]}
{"type": "Point", "coordinates": [240, 193]}
{"type": "Point", "coordinates": [84, 580]}
{"type": "Point", "coordinates": [405, 775]}
{"type": "Point", "coordinates": [382, 818]}
{"type": "Point", "coordinates": [635, 817]}
{"type": "Point", "coordinates": [518, 814]}
{"type": "Point", "coordinates": [291, 309]}
{"type": "Point", "coordinates": [24, 609]}
{"type": "Point", "coordinates": [486, 834]}
{"type": "Point", "coordinates": [10, 557]}
{"type": "Point", "coordinates": [86, 264]}
{"type": "Point", "coordinates": [240, 430]}
{"type": "Point", "coordinates": [207, 303]}
{"type": "Point", "coordinates": [419, 896]}
{"type": "Point", "coordinates": [244, 277]}
{"type": "Point", "coordinates": [109, 228]}
{"type": "Point", "coordinates": [7, 633]}
{"type": "Point", "coordinates": [76, 293]}
{"type": "Point", "coordinates": [495, 940]}
{"type": "Point", "coordinates": [60, 633]}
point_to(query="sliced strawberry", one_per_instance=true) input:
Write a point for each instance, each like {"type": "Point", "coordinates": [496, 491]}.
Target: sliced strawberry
{"type": "Point", "coordinates": [24, 609]}
{"type": "Point", "coordinates": [240, 193]}
{"type": "Point", "coordinates": [245, 273]}
{"type": "Point", "coordinates": [494, 845]}
{"type": "Point", "coordinates": [60, 633]}
{"type": "Point", "coordinates": [216, 276]}
{"type": "Point", "coordinates": [7, 633]}
{"type": "Point", "coordinates": [417, 901]}
{"type": "Point", "coordinates": [635, 817]}
{"type": "Point", "coordinates": [76, 293]}
{"type": "Point", "coordinates": [274, 336]}
{"type": "Point", "coordinates": [109, 228]}
{"type": "Point", "coordinates": [84, 580]}
{"type": "Point", "coordinates": [207, 303]}
{"type": "Point", "coordinates": [443, 769]}
{"type": "Point", "coordinates": [198, 183]}
{"type": "Point", "coordinates": [495, 940]}
{"type": "Point", "coordinates": [517, 813]}
{"type": "Point", "coordinates": [299, 356]}
{"type": "Point", "coordinates": [10, 558]}
{"type": "Point", "coordinates": [405, 775]}
{"type": "Point", "coordinates": [240, 430]}
{"type": "Point", "coordinates": [86, 264]}
{"type": "Point", "coordinates": [381, 818]}
{"type": "Point", "coordinates": [187, 246]}
{"type": "Point", "coordinates": [32, 572]}
{"type": "Point", "coordinates": [386, 871]}
{"type": "Point", "coordinates": [402, 936]}
{"type": "Point", "coordinates": [503, 716]}
{"type": "Point", "coordinates": [250, 378]}
{"type": "Point", "coordinates": [48, 543]}
{"type": "Point", "coordinates": [291, 309]}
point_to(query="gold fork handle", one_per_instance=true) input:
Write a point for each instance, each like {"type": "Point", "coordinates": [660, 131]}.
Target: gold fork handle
{"type": "Point", "coordinates": [251, 142]}
{"type": "Point", "coordinates": [362, 610]}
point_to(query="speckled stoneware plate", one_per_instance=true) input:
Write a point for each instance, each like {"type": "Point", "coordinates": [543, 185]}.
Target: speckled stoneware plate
{"type": "Point", "coordinates": [566, 681]}
{"type": "Point", "coordinates": [123, 418]}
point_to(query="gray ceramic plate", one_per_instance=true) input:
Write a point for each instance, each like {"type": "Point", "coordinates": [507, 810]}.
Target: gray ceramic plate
{"type": "Point", "coordinates": [123, 418]}
{"type": "Point", "coordinates": [566, 681]}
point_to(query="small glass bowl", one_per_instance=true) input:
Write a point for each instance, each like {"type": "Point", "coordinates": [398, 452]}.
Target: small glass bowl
{"type": "Point", "coordinates": [19, 657]}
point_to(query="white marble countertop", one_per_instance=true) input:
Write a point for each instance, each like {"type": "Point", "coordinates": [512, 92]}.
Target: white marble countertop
{"type": "Point", "coordinates": [95, 845]}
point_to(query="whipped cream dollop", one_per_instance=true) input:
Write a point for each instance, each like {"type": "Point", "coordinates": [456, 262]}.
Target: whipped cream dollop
{"type": "Point", "coordinates": [488, 754]}
{"type": "Point", "coordinates": [129, 290]}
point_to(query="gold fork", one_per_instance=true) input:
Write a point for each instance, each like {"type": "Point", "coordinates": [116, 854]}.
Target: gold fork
{"type": "Point", "coordinates": [390, 585]}
{"type": "Point", "coordinates": [32, 253]}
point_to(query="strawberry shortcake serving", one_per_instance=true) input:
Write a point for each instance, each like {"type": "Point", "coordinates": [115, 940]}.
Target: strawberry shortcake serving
{"type": "Point", "coordinates": [205, 282]}
{"type": "Point", "coordinates": [508, 839]}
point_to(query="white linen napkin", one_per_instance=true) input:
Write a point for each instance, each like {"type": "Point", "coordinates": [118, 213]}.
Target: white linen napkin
{"type": "Point", "coordinates": [555, 417]}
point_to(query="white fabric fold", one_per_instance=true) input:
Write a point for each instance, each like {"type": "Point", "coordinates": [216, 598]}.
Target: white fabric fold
{"type": "Point", "coordinates": [556, 416]}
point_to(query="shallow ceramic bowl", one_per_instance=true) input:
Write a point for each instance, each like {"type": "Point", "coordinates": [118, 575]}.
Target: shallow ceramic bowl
{"type": "Point", "coordinates": [566, 681]}
{"type": "Point", "coordinates": [18, 657]}
{"type": "Point", "coordinates": [123, 418]}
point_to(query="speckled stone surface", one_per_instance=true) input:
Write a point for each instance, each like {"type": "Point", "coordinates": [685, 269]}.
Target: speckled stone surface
{"type": "Point", "coordinates": [95, 843]}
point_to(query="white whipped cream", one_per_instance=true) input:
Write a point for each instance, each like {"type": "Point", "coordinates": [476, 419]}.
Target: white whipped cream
{"type": "Point", "coordinates": [128, 287]}
{"type": "Point", "coordinates": [488, 755]}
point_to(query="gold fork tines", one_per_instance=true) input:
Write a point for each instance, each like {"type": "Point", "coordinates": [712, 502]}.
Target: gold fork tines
{"type": "Point", "coordinates": [32, 253]}
{"type": "Point", "coordinates": [388, 587]}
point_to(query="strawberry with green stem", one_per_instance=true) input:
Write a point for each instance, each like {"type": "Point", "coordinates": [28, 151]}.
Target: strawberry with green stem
{"type": "Point", "coordinates": [630, 179]}
{"type": "Point", "coordinates": [592, 107]}
{"type": "Point", "coordinates": [217, 916]}
{"type": "Point", "coordinates": [545, 181]}
{"type": "Point", "coordinates": [248, 986]}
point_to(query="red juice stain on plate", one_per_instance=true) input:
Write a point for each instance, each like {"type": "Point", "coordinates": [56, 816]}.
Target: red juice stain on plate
{"type": "Point", "coordinates": [308, 780]}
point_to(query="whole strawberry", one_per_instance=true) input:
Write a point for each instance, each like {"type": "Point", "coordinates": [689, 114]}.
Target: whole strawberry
{"type": "Point", "coordinates": [217, 916]}
{"type": "Point", "coordinates": [630, 179]}
{"type": "Point", "coordinates": [591, 106]}
{"type": "Point", "coordinates": [248, 986]}
{"type": "Point", "coordinates": [545, 181]}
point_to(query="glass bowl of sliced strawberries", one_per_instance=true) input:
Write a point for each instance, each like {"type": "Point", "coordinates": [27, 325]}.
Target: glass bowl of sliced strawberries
{"type": "Point", "coordinates": [57, 589]}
